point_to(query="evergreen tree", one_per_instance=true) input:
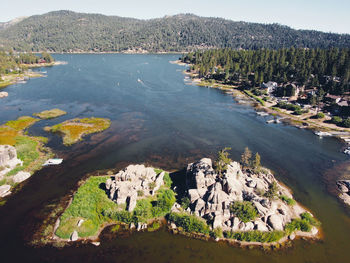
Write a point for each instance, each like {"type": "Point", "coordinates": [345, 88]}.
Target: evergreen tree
{"type": "Point", "coordinates": [245, 158]}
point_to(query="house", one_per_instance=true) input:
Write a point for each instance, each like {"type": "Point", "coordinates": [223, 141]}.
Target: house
{"type": "Point", "coordinates": [332, 98]}
{"type": "Point", "coordinates": [269, 86]}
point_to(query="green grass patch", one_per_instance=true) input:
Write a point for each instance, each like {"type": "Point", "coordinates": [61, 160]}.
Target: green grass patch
{"type": "Point", "coordinates": [250, 94]}
{"type": "Point", "coordinates": [50, 114]}
{"type": "Point", "coordinates": [26, 151]}
{"type": "Point", "coordinates": [189, 223]}
{"type": "Point", "coordinates": [304, 223]}
{"type": "Point", "coordinates": [244, 210]}
{"type": "Point", "coordinates": [288, 200]}
{"type": "Point", "coordinates": [154, 226]}
{"type": "Point", "coordinates": [92, 204]}
{"type": "Point", "coordinates": [256, 236]}
{"type": "Point", "coordinates": [21, 123]}
{"type": "Point", "coordinates": [73, 130]}
{"type": "Point", "coordinates": [88, 203]}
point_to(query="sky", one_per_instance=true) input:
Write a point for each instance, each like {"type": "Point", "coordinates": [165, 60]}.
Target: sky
{"type": "Point", "coordinates": [323, 15]}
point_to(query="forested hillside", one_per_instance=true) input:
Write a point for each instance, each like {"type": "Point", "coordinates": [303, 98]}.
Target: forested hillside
{"type": "Point", "coordinates": [66, 31]}
{"type": "Point", "coordinates": [328, 69]}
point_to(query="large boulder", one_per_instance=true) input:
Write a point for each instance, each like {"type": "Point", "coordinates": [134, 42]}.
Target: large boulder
{"type": "Point", "coordinates": [217, 221]}
{"type": "Point", "coordinates": [4, 190]}
{"type": "Point", "coordinates": [275, 221]}
{"type": "Point", "coordinates": [8, 155]}
{"type": "Point", "coordinates": [3, 94]}
{"type": "Point", "coordinates": [74, 236]}
{"type": "Point", "coordinates": [8, 159]}
{"type": "Point", "coordinates": [21, 176]}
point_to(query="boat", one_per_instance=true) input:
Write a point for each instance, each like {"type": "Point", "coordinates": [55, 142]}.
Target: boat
{"type": "Point", "coordinates": [262, 113]}
{"type": "Point", "coordinates": [55, 161]}
{"type": "Point", "coordinates": [347, 151]}
{"type": "Point", "coordinates": [322, 134]}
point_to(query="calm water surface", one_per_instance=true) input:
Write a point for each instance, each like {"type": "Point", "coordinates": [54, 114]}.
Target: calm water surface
{"type": "Point", "coordinates": [157, 119]}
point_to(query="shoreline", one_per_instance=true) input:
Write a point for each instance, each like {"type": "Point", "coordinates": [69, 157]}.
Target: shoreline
{"type": "Point", "coordinates": [11, 79]}
{"type": "Point", "coordinates": [342, 134]}
{"type": "Point", "coordinates": [286, 117]}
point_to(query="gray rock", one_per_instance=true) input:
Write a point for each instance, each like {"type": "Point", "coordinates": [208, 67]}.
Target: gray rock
{"type": "Point", "coordinates": [217, 221]}
{"type": "Point", "coordinates": [4, 190]}
{"type": "Point", "coordinates": [132, 225]}
{"type": "Point", "coordinates": [261, 226]}
{"type": "Point", "coordinates": [193, 195]}
{"type": "Point", "coordinates": [80, 222]}
{"type": "Point", "coordinates": [3, 94]}
{"type": "Point", "coordinates": [74, 236]}
{"type": "Point", "coordinates": [249, 226]}
{"type": "Point", "coordinates": [131, 202]}
{"type": "Point", "coordinates": [275, 221]}
{"type": "Point", "coordinates": [20, 177]}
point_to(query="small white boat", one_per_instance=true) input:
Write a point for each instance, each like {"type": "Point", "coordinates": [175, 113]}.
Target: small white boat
{"type": "Point", "coordinates": [347, 151]}
{"type": "Point", "coordinates": [262, 113]}
{"type": "Point", "coordinates": [55, 161]}
{"type": "Point", "coordinates": [322, 134]}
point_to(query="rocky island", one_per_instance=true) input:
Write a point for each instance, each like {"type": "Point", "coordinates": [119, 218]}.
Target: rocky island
{"type": "Point", "coordinates": [225, 201]}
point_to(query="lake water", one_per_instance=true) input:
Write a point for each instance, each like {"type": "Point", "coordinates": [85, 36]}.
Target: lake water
{"type": "Point", "coordinates": [159, 120]}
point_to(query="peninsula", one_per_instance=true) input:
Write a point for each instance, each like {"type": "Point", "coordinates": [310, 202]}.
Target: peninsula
{"type": "Point", "coordinates": [224, 200]}
{"type": "Point", "coordinates": [20, 154]}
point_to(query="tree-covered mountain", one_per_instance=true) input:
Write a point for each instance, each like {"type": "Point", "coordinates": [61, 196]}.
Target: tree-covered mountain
{"type": "Point", "coordinates": [65, 31]}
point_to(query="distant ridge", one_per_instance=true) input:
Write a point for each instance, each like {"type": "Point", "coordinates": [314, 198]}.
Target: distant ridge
{"type": "Point", "coordinates": [67, 31]}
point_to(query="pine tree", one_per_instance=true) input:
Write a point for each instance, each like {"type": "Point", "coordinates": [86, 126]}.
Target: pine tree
{"type": "Point", "coordinates": [256, 163]}
{"type": "Point", "coordinates": [245, 158]}
{"type": "Point", "coordinates": [222, 161]}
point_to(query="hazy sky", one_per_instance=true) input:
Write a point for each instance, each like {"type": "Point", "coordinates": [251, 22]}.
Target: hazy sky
{"type": "Point", "coordinates": [324, 15]}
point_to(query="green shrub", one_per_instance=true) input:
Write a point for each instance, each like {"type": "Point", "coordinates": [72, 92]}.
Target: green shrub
{"type": "Point", "coordinates": [337, 120]}
{"type": "Point", "coordinates": [298, 112]}
{"type": "Point", "coordinates": [140, 193]}
{"type": "Point", "coordinates": [189, 223]}
{"type": "Point", "coordinates": [154, 226]}
{"type": "Point", "coordinates": [244, 210]}
{"type": "Point", "coordinates": [304, 223]}
{"type": "Point", "coordinates": [185, 202]}
{"type": "Point", "coordinates": [272, 192]}
{"type": "Point", "coordinates": [320, 115]}
{"type": "Point", "coordinates": [256, 236]}
{"type": "Point", "coordinates": [217, 233]}
{"type": "Point", "coordinates": [143, 210]}
{"type": "Point", "coordinates": [346, 123]}
{"type": "Point", "coordinates": [165, 200]}
{"type": "Point", "coordinates": [287, 200]}
{"type": "Point", "coordinates": [308, 217]}
{"type": "Point", "coordinates": [167, 180]}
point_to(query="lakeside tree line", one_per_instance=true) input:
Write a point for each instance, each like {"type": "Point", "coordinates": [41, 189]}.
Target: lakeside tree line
{"type": "Point", "coordinates": [65, 31]}
{"type": "Point", "coordinates": [12, 63]}
{"type": "Point", "coordinates": [326, 69]}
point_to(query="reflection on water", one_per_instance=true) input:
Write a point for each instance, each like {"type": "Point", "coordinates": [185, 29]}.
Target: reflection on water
{"type": "Point", "coordinates": [160, 121]}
